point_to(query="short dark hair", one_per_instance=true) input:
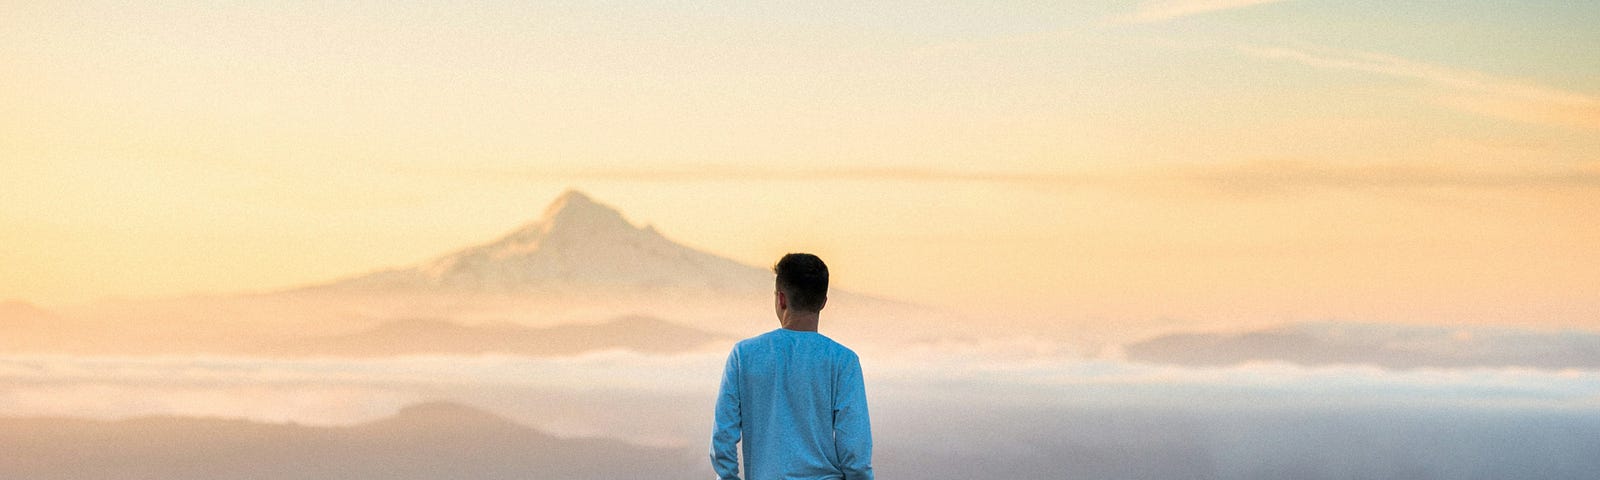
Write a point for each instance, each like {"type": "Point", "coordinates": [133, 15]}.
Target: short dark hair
{"type": "Point", "coordinates": [803, 278]}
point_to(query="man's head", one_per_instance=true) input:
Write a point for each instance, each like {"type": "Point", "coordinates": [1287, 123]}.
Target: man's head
{"type": "Point", "coordinates": [802, 283]}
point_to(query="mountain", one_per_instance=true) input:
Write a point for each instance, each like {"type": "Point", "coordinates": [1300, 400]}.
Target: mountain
{"type": "Point", "coordinates": [579, 263]}
{"type": "Point", "coordinates": [19, 314]}
{"type": "Point", "coordinates": [576, 244]}
{"type": "Point", "coordinates": [434, 441]}
{"type": "Point", "coordinates": [23, 324]}
{"type": "Point", "coordinates": [1384, 345]}
{"type": "Point", "coordinates": [434, 336]}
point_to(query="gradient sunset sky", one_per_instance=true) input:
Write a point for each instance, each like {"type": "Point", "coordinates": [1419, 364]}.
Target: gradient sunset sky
{"type": "Point", "coordinates": [1209, 161]}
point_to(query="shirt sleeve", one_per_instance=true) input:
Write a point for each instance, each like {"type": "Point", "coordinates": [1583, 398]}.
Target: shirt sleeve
{"type": "Point", "coordinates": [852, 431]}
{"type": "Point", "coordinates": [725, 437]}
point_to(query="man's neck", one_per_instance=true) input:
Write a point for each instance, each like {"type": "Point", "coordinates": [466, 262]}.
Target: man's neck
{"type": "Point", "coordinates": [800, 321]}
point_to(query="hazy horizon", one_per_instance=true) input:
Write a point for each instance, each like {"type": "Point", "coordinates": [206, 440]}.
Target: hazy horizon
{"type": "Point", "coordinates": [580, 327]}
{"type": "Point", "coordinates": [1230, 239]}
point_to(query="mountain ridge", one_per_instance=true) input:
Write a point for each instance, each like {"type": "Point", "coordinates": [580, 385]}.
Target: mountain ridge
{"type": "Point", "coordinates": [1394, 346]}
{"type": "Point", "coordinates": [433, 440]}
{"type": "Point", "coordinates": [412, 336]}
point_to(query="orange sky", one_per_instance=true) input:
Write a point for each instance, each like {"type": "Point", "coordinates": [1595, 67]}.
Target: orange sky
{"type": "Point", "coordinates": [1173, 161]}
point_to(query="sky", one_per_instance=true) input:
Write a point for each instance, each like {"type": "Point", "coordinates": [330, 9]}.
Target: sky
{"type": "Point", "coordinates": [1215, 161]}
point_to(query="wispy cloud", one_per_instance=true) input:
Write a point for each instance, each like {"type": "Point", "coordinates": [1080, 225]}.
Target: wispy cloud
{"type": "Point", "coordinates": [1463, 90]}
{"type": "Point", "coordinates": [1162, 11]}
{"type": "Point", "coordinates": [732, 173]}
{"type": "Point", "coordinates": [1268, 175]}
{"type": "Point", "coordinates": [1252, 175]}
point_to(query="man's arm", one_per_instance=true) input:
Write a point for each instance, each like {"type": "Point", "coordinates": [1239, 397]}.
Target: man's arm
{"type": "Point", "coordinates": [725, 438]}
{"type": "Point", "coordinates": [852, 431]}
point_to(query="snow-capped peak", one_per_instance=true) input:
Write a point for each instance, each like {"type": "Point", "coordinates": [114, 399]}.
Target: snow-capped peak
{"type": "Point", "coordinates": [577, 242]}
{"type": "Point", "coordinates": [575, 208]}
{"type": "Point", "coordinates": [573, 215]}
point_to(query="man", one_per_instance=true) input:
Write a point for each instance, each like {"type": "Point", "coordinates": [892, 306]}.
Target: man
{"type": "Point", "coordinates": [794, 398]}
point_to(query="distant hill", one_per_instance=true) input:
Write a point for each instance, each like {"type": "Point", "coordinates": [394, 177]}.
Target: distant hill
{"type": "Point", "coordinates": [430, 336]}
{"type": "Point", "coordinates": [435, 441]}
{"type": "Point", "coordinates": [19, 313]}
{"type": "Point", "coordinates": [24, 326]}
{"type": "Point", "coordinates": [1384, 345]}
{"type": "Point", "coordinates": [19, 318]}
{"type": "Point", "coordinates": [399, 337]}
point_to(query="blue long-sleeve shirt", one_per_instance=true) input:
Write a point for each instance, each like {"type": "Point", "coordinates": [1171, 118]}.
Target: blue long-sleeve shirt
{"type": "Point", "coordinates": [797, 402]}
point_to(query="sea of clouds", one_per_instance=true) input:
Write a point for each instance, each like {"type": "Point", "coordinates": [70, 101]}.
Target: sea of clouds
{"type": "Point", "coordinates": [940, 411]}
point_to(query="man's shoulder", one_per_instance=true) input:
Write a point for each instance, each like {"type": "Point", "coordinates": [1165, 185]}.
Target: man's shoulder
{"type": "Point", "coordinates": [764, 337]}
{"type": "Point", "coordinates": [838, 350]}
{"type": "Point", "coordinates": [847, 353]}
{"type": "Point", "coordinates": [751, 343]}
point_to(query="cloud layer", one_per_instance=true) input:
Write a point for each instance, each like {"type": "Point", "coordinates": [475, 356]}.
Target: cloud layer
{"type": "Point", "coordinates": [939, 412]}
{"type": "Point", "coordinates": [1162, 11]}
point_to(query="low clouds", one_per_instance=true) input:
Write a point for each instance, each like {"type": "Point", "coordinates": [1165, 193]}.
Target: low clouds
{"type": "Point", "coordinates": [203, 385]}
{"type": "Point", "coordinates": [940, 412]}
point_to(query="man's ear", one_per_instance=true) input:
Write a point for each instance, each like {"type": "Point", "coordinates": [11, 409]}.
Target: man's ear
{"type": "Point", "coordinates": [783, 300]}
{"type": "Point", "coordinates": [823, 304]}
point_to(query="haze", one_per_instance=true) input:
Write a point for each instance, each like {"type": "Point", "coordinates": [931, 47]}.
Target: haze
{"type": "Point", "coordinates": [1229, 239]}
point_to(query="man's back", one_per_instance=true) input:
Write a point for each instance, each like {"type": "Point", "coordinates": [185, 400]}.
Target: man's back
{"type": "Point", "coordinates": [797, 401]}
